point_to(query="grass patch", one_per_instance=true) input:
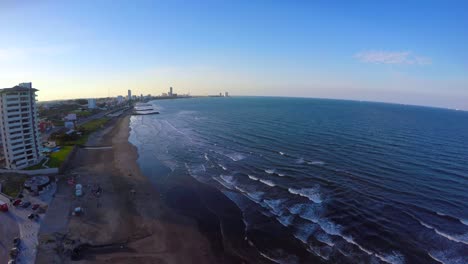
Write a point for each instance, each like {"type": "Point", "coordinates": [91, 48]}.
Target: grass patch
{"type": "Point", "coordinates": [57, 158]}
{"type": "Point", "coordinates": [87, 128]}
{"type": "Point", "coordinates": [36, 167]}
{"type": "Point", "coordinates": [94, 125]}
{"type": "Point", "coordinates": [12, 183]}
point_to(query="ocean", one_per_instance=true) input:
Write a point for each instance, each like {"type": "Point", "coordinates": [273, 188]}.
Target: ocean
{"type": "Point", "coordinates": [341, 181]}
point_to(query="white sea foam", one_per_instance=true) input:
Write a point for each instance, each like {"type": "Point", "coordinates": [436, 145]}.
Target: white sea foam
{"type": "Point", "coordinates": [324, 238]}
{"type": "Point", "coordinates": [318, 252]}
{"type": "Point", "coordinates": [222, 167]}
{"type": "Point", "coordinates": [285, 220]}
{"type": "Point", "coordinates": [303, 232]}
{"type": "Point", "coordinates": [426, 225]}
{"type": "Point", "coordinates": [240, 189]}
{"type": "Point", "coordinates": [306, 211]}
{"type": "Point", "coordinates": [255, 196]}
{"type": "Point", "coordinates": [276, 205]}
{"type": "Point", "coordinates": [280, 256]}
{"type": "Point", "coordinates": [227, 178]}
{"type": "Point", "coordinates": [206, 157]}
{"type": "Point", "coordinates": [253, 178]}
{"type": "Point", "coordinates": [300, 161]}
{"type": "Point", "coordinates": [269, 258]}
{"type": "Point", "coordinates": [437, 257]}
{"type": "Point", "coordinates": [312, 193]}
{"type": "Point", "coordinates": [393, 258]}
{"type": "Point", "coordinates": [281, 174]}
{"type": "Point", "coordinates": [316, 162]}
{"type": "Point", "coordinates": [270, 171]}
{"type": "Point", "coordinates": [235, 156]}
{"type": "Point", "coordinates": [459, 238]}
{"type": "Point", "coordinates": [196, 171]}
{"type": "Point", "coordinates": [223, 183]}
{"type": "Point", "coordinates": [330, 227]}
{"type": "Point", "coordinates": [268, 182]}
{"type": "Point", "coordinates": [463, 221]}
{"type": "Point", "coordinates": [281, 153]}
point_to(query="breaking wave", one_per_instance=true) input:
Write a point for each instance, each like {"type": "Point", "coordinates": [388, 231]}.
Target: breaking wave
{"type": "Point", "coordinates": [268, 182]}
{"type": "Point", "coordinates": [253, 178]}
{"type": "Point", "coordinates": [312, 194]}
{"type": "Point", "coordinates": [235, 156]}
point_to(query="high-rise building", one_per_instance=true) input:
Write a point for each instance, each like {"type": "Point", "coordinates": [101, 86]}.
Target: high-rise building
{"type": "Point", "coordinates": [226, 94]}
{"type": "Point", "coordinates": [129, 95]}
{"type": "Point", "coordinates": [120, 99]}
{"type": "Point", "coordinates": [170, 91]}
{"type": "Point", "coordinates": [19, 126]}
{"type": "Point", "coordinates": [91, 103]}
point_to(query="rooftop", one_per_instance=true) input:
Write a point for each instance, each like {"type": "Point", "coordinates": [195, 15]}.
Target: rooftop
{"type": "Point", "coordinates": [17, 89]}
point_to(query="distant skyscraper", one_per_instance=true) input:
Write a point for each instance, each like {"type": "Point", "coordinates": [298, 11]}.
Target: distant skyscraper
{"type": "Point", "coordinates": [19, 126]}
{"type": "Point", "coordinates": [129, 95]}
{"type": "Point", "coordinates": [226, 94]}
{"type": "Point", "coordinates": [170, 91]}
{"type": "Point", "coordinates": [91, 103]}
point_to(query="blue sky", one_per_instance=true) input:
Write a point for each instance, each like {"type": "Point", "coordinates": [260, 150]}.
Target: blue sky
{"type": "Point", "coordinates": [412, 52]}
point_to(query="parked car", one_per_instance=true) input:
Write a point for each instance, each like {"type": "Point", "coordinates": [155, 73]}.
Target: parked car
{"type": "Point", "coordinates": [3, 207]}
{"type": "Point", "coordinates": [35, 206]}
{"type": "Point", "coordinates": [17, 202]}
{"type": "Point", "coordinates": [25, 204]}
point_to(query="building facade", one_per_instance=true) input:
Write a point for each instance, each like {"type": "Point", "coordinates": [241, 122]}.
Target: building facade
{"type": "Point", "coordinates": [19, 126]}
{"type": "Point", "coordinates": [91, 103]}
{"type": "Point", "coordinates": [129, 95]}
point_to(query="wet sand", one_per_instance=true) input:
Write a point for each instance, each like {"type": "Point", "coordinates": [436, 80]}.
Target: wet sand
{"type": "Point", "coordinates": [174, 223]}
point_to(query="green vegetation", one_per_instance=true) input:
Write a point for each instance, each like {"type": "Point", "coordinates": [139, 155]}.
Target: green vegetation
{"type": "Point", "coordinates": [36, 167]}
{"type": "Point", "coordinates": [12, 183]}
{"type": "Point", "coordinates": [94, 125]}
{"type": "Point", "coordinates": [57, 158]}
{"type": "Point", "coordinates": [85, 130]}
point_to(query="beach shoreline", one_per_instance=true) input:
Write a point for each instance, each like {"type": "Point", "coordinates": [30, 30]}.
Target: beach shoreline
{"type": "Point", "coordinates": [174, 226]}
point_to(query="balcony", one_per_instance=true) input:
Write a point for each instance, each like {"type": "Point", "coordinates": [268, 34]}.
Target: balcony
{"type": "Point", "coordinates": [18, 153]}
{"type": "Point", "coordinates": [12, 96]}
{"type": "Point", "coordinates": [16, 118]}
{"type": "Point", "coordinates": [15, 141]}
{"type": "Point", "coordinates": [15, 129]}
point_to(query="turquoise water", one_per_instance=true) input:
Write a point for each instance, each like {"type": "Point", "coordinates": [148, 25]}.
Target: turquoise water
{"type": "Point", "coordinates": [349, 181]}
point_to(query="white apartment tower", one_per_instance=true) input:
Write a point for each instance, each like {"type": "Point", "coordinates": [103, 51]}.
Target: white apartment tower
{"type": "Point", "coordinates": [19, 126]}
{"type": "Point", "coordinates": [91, 103]}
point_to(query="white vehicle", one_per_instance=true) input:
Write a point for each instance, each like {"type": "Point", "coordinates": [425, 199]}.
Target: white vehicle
{"type": "Point", "coordinates": [78, 192]}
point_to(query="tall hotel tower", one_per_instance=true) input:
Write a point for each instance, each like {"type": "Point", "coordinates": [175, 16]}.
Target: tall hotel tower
{"type": "Point", "coordinates": [19, 126]}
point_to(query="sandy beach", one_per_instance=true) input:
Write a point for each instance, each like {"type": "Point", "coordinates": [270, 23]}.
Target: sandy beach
{"type": "Point", "coordinates": [135, 221]}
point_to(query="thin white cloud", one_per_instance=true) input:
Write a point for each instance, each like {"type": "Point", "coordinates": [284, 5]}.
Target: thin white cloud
{"type": "Point", "coordinates": [392, 57]}
{"type": "Point", "coordinates": [9, 54]}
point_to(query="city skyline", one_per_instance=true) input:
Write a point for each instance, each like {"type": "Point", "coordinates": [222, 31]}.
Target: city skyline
{"type": "Point", "coordinates": [411, 54]}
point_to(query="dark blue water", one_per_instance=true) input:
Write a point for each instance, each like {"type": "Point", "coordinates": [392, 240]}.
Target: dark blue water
{"type": "Point", "coordinates": [352, 181]}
